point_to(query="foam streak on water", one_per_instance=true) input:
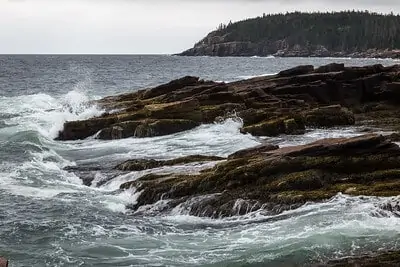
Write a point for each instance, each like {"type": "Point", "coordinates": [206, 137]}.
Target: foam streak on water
{"type": "Point", "coordinates": [49, 218]}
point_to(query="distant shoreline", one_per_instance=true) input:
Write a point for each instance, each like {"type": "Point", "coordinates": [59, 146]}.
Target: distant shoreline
{"type": "Point", "coordinates": [337, 34]}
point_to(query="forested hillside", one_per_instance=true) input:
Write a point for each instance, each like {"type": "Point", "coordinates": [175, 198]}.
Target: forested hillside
{"type": "Point", "coordinates": [297, 34]}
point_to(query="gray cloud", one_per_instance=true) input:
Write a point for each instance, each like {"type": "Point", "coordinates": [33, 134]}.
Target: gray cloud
{"type": "Point", "coordinates": [138, 26]}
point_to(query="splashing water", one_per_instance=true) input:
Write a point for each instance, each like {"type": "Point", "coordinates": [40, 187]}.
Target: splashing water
{"type": "Point", "coordinates": [49, 218]}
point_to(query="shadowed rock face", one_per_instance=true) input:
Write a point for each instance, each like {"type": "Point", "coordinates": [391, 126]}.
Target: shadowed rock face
{"type": "Point", "coordinates": [278, 179]}
{"type": "Point", "coordinates": [286, 103]}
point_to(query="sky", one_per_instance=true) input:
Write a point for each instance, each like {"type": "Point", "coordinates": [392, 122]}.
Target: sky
{"type": "Point", "coordinates": [138, 26]}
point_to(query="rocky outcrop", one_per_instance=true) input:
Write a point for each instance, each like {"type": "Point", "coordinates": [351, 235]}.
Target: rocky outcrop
{"type": "Point", "coordinates": [387, 259]}
{"type": "Point", "coordinates": [262, 49]}
{"type": "Point", "coordinates": [145, 164]}
{"type": "Point", "coordinates": [283, 178]}
{"type": "Point", "coordinates": [286, 103]}
{"type": "Point", "coordinates": [341, 34]}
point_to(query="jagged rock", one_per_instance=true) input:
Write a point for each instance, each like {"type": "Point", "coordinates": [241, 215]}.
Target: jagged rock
{"type": "Point", "coordinates": [144, 164]}
{"type": "Point", "coordinates": [273, 105]}
{"type": "Point", "coordinates": [284, 178]}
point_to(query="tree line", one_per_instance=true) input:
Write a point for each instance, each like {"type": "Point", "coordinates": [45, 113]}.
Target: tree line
{"type": "Point", "coordinates": [337, 31]}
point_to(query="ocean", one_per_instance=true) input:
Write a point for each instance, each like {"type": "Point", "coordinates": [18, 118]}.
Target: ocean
{"type": "Point", "coordinates": [49, 218]}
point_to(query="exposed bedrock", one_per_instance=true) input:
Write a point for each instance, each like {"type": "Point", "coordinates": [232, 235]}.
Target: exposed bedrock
{"type": "Point", "coordinates": [145, 164]}
{"type": "Point", "coordinates": [278, 179]}
{"type": "Point", "coordinates": [286, 103]}
{"type": "Point", "coordinates": [386, 259]}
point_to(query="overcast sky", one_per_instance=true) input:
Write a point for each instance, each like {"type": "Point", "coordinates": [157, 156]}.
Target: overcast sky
{"type": "Point", "coordinates": [138, 26]}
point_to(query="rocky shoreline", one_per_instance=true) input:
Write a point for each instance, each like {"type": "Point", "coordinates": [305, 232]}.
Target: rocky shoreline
{"type": "Point", "coordinates": [266, 177]}
{"type": "Point", "coordinates": [280, 49]}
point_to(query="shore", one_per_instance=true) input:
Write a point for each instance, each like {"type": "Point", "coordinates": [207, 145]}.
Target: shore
{"type": "Point", "coordinates": [267, 177]}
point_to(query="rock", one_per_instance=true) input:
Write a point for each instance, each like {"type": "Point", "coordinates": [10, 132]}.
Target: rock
{"type": "Point", "coordinates": [284, 178]}
{"type": "Point", "coordinates": [3, 262]}
{"type": "Point", "coordinates": [395, 137]}
{"type": "Point", "coordinates": [386, 259]}
{"type": "Point", "coordinates": [276, 127]}
{"type": "Point", "coordinates": [329, 116]}
{"type": "Point", "coordinates": [171, 86]}
{"type": "Point", "coordinates": [163, 127]}
{"type": "Point", "coordinates": [272, 105]}
{"type": "Point", "coordinates": [144, 164]}
{"type": "Point", "coordinates": [120, 130]}
{"type": "Point", "coordinates": [299, 70]}
{"type": "Point", "coordinates": [332, 67]}
{"type": "Point", "coordinates": [254, 151]}
{"type": "Point", "coordinates": [186, 110]}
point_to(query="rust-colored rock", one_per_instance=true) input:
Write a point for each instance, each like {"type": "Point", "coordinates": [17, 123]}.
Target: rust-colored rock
{"type": "Point", "coordinates": [3, 262]}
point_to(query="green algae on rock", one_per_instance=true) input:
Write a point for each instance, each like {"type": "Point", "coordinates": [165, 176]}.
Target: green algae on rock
{"type": "Point", "coordinates": [283, 178]}
{"type": "Point", "coordinates": [381, 259]}
{"type": "Point", "coordinates": [144, 164]}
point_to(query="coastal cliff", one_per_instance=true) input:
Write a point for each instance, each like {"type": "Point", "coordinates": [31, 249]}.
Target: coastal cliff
{"type": "Point", "coordinates": [341, 34]}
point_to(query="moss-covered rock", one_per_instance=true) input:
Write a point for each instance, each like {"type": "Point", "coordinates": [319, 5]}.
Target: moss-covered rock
{"type": "Point", "coordinates": [144, 164]}
{"type": "Point", "coordinates": [279, 104]}
{"type": "Point", "coordinates": [285, 178]}
{"type": "Point", "coordinates": [381, 259]}
{"type": "Point", "coordinates": [329, 116]}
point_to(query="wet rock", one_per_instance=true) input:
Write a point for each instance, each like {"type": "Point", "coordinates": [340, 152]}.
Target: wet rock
{"type": "Point", "coordinates": [272, 105]}
{"type": "Point", "coordinates": [395, 137]}
{"type": "Point", "coordinates": [299, 70]}
{"type": "Point", "coordinates": [329, 116]}
{"type": "Point", "coordinates": [287, 177]}
{"type": "Point", "coordinates": [144, 164]}
{"type": "Point", "coordinates": [391, 258]}
{"type": "Point", "coordinates": [276, 127]}
{"type": "Point", "coordinates": [254, 151]}
{"type": "Point", "coordinates": [163, 127]}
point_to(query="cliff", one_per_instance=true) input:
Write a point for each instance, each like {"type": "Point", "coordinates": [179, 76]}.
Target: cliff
{"type": "Point", "coordinates": [340, 34]}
